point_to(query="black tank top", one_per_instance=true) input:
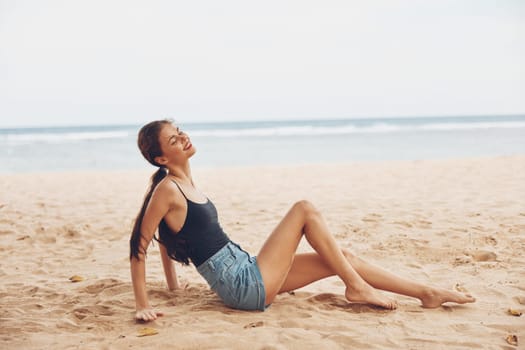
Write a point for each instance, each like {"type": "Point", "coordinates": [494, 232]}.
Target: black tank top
{"type": "Point", "coordinates": [202, 231]}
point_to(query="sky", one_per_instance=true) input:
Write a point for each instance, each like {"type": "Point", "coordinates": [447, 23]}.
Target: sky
{"type": "Point", "coordinates": [126, 62]}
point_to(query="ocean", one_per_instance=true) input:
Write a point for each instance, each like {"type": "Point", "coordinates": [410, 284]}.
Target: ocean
{"type": "Point", "coordinates": [267, 142]}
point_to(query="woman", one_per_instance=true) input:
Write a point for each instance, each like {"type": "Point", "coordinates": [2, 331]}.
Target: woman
{"type": "Point", "coordinates": [189, 231]}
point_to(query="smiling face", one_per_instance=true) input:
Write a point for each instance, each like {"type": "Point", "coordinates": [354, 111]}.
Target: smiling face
{"type": "Point", "coordinates": [175, 145]}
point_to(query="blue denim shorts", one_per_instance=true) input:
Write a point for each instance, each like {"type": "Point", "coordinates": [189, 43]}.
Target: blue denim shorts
{"type": "Point", "coordinates": [234, 275]}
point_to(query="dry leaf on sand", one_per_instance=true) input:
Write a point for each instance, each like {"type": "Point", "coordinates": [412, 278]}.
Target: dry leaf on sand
{"type": "Point", "coordinates": [76, 278]}
{"type": "Point", "coordinates": [514, 312]}
{"type": "Point", "coordinates": [147, 331]}
{"type": "Point", "coordinates": [512, 339]}
{"type": "Point", "coordinates": [459, 287]}
{"type": "Point", "coordinates": [254, 324]}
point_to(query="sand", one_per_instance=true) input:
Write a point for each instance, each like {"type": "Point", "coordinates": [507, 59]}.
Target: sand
{"type": "Point", "coordinates": [458, 224]}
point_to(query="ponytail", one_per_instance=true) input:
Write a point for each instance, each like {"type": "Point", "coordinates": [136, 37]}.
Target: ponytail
{"type": "Point", "coordinates": [136, 237]}
{"type": "Point", "coordinates": [176, 246]}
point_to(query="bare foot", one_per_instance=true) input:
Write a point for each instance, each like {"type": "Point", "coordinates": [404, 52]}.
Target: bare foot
{"type": "Point", "coordinates": [368, 295]}
{"type": "Point", "coordinates": [435, 297]}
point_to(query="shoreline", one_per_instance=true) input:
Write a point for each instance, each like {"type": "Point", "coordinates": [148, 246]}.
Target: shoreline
{"type": "Point", "coordinates": [208, 168]}
{"type": "Point", "coordinates": [458, 223]}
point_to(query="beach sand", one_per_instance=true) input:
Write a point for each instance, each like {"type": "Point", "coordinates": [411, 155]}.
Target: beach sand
{"type": "Point", "coordinates": [458, 224]}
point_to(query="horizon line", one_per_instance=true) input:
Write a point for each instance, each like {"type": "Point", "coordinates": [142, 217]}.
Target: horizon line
{"type": "Point", "coordinates": [233, 121]}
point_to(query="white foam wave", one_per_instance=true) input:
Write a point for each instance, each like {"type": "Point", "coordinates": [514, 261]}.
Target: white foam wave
{"type": "Point", "coordinates": [54, 137]}
{"type": "Point", "coordinates": [351, 129]}
{"type": "Point", "coordinates": [473, 126]}
{"type": "Point", "coordinates": [293, 131]}
{"type": "Point", "coordinates": [23, 138]}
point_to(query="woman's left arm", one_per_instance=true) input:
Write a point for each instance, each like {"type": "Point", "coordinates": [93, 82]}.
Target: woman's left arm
{"type": "Point", "coordinates": [169, 269]}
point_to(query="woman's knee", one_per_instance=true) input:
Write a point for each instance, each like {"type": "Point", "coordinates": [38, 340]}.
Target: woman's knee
{"type": "Point", "coordinates": [307, 209]}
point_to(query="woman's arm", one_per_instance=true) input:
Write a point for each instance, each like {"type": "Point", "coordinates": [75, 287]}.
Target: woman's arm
{"type": "Point", "coordinates": [144, 312]}
{"type": "Point", "coordinates": [169, 269]}
{"type": "Point", "coordinates": [157, 208]}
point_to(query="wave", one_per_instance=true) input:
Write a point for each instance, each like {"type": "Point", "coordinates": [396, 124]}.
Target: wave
{"type": "Point", "coordinates": [62, 137]}
{"type": "Point", "coordinates": [35, 136]}
{"type": "Point", "coordinates": [344, 129]}
{"type": "Point", "coordinates": [473, 126]}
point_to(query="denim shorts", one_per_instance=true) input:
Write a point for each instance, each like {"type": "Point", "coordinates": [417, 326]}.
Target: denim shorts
{"type": "Point", "coordinates": [234, 275]}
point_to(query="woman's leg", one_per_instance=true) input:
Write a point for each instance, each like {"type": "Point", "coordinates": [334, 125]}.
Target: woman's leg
{"type": "Point", "coordinates": [310, 267]}
{"type": "Point", "coordinates": [278, 252]}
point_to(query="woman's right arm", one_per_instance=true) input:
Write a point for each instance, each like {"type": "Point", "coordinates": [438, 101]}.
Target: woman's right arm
{"type": "Point", "coordinates": [157, 208]}
{"type": "Point", "coordinates": [144, 312]}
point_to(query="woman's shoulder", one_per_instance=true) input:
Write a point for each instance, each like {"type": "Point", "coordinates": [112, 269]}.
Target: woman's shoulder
{"type": "Point", "coordinates": [167, 190]}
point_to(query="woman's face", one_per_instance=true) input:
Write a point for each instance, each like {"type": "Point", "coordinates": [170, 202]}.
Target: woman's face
{"type": "Point", "coordinates": [175, 144]}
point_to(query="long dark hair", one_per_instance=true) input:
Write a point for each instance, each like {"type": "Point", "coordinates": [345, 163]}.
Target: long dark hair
{"type": "Point", "coordinates": [149, 145]}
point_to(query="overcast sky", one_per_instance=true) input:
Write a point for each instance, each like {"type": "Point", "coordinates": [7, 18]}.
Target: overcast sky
{"type": "Point", "coordinates": [112, 62]}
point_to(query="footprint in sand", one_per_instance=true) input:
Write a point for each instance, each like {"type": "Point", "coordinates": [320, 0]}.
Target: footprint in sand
{"type": "Point", "coordinates": [93, 310]}
{"type": "Point", "coordinates": [46, 239]}
{"type": "Point", "coordinates": [105, 285]}
{"type": "Point", "coordinates": [423, 223]}
{"type": "Point", "coordinates": [372, 217]}
{"type": "Point", "coordinates": [520, 299]}
{"type": "Point", "coordinates": [462, 260]}
{"type": "Point", "coordinates": [483, 256]}
{"type": "Point", "coordinates": [329, 301]}
{"type": "Point", "coordinates": [324, 298]}
{"type": "Point", "coordinates": [490, 240]}
{"type": "Point", "coordinates": [403, 223]}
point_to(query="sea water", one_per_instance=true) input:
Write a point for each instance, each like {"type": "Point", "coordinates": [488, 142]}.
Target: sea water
{"type": "Point", "coordinates": [267, 142]}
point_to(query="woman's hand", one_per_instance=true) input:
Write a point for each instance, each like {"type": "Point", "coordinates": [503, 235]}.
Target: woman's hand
{"type": "Point", "coordinates": [147, 314]}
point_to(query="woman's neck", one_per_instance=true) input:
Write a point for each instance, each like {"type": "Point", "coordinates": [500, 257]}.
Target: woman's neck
{"type": "Point", "coordinates": [181, 173]}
